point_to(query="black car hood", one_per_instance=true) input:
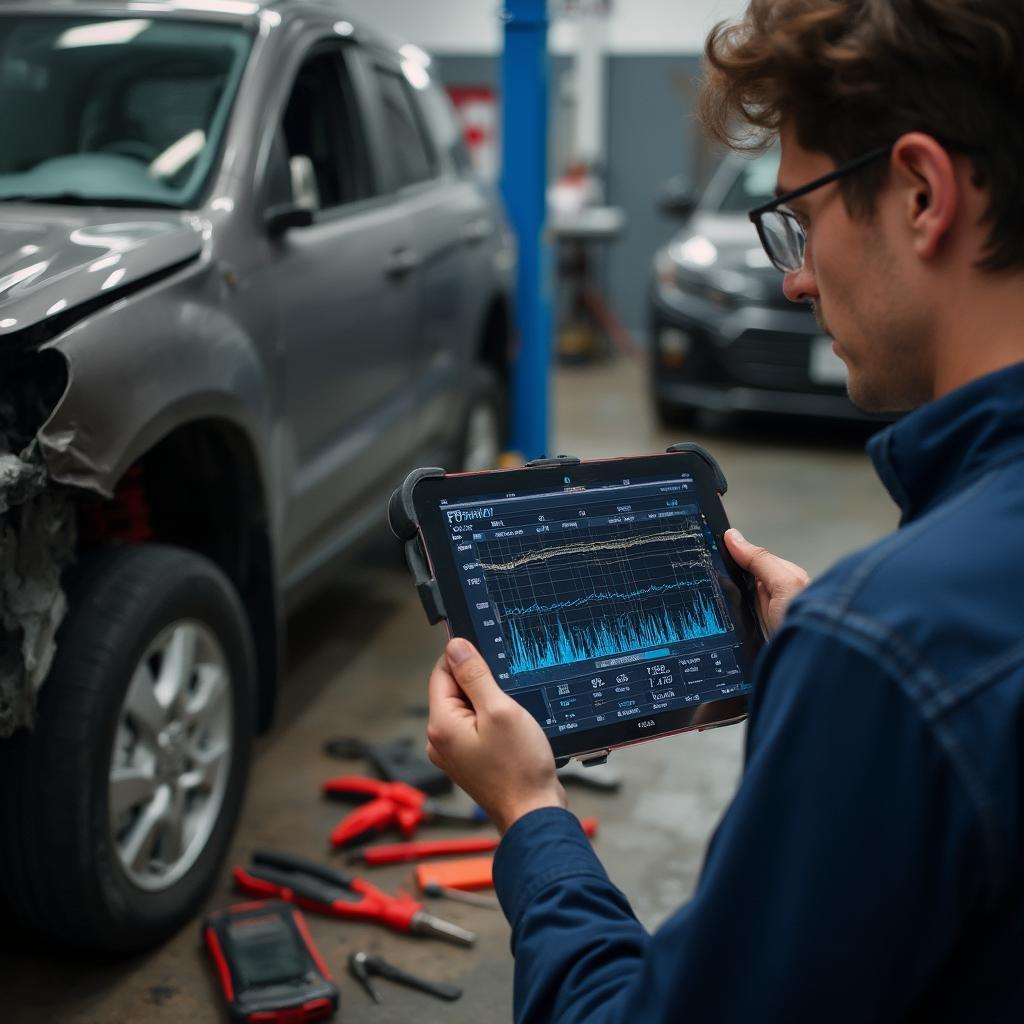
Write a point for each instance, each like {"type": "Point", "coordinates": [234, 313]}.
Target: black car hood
{"type": "Point", "coordinates": [52, 260]}
{"type": "Point", "coordinates": [733, 236]}
{"type": "Point", "coordinates": [738, 256]}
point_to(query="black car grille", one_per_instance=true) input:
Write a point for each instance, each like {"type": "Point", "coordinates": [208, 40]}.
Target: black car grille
{"type": "Point", "coordinates": [773, 359]}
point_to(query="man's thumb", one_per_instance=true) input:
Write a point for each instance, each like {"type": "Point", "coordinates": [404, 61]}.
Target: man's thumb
{"type": "Point", "coordinates": [470, 671]}
{"type": "Point", "coordinates": [740, 548]}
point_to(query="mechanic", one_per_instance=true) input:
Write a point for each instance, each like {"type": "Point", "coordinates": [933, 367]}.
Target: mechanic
{"type": "Point", "coordinates": [871, 864]}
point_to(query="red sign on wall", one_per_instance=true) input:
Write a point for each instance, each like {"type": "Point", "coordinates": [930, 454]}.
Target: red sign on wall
{"type": "Point", "coordinates": [477, 109]}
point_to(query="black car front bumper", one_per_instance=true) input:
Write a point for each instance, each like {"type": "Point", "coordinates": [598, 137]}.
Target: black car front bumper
{"type": "Point", "coordinates": [744, 358]}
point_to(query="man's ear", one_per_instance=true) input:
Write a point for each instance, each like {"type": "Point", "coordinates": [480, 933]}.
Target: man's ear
{"type": "Point", "coordinates": [927, 176]}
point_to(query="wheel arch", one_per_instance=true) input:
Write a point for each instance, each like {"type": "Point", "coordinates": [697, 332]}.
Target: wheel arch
{"type": "Point", "coordinates": [200, 487]}
{"type": "Point", "coordinates": [496, 336]}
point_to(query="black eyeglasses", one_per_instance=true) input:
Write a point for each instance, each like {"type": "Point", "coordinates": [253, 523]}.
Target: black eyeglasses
{"type": "Point", "coordinates": [781, 233]}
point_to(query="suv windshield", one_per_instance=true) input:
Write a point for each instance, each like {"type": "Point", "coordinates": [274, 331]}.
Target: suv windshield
{"type": "Point", "coordinates": [127, 111]}
{"type": "Point", "coordinates": [754, 184]}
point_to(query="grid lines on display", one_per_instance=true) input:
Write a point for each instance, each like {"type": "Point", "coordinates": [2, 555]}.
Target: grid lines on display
{"type": "Point", "coordinates": [597, 591]}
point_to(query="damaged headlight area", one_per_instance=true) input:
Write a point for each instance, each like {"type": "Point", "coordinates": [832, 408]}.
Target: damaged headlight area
{"type": "Point", "coordinates": [37, 533]}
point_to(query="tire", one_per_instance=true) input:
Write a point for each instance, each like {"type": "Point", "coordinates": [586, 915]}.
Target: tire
{"type": "Point", "coordinates": [482, 432]}
{"type": "Point", "coordinates": [64, 862]}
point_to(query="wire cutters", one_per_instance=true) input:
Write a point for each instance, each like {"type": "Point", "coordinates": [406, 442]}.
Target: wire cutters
{"type": "Point", "coordinates": [322, 890]}
{"type": "Point", "coordinates": [362, 966]}
{"type": "Point", "coordinates": [388, 804]}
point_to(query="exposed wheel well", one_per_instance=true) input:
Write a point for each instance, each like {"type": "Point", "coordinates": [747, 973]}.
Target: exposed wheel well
{"type": "Point", "coordinates": [496, 339]}
{"type": "Point", "coordinates": [200, 488]}
{"type": "Point", "coordinates": [495, 349]}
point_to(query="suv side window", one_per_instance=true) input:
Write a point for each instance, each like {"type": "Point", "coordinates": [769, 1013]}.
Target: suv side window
{"type": "Point", "coordinates": [319, 153]}
{"type": "Point", "coordinates": [414, 158]}
{"type": "Point", "coordinates": [444, 126]}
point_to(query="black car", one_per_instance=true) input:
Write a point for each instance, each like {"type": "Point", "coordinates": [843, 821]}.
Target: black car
{"type": "Point", "coordinates": [724, 337]}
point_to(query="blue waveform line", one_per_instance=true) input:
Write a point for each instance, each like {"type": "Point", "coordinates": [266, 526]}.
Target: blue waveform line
{"type": "Point", "coordinates": [606, 595]}
{"type": "Point", "coordinates": [567, 644]}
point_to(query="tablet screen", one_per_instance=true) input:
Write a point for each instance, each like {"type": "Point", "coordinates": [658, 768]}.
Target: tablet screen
{"type": "Point", "coordinates": [597, 603]}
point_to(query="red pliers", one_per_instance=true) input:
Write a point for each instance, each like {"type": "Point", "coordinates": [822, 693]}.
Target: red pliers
{"type": "Point", "coordinates": [389, 803]}
{"type": "Point", "coordinates": [322, 890]}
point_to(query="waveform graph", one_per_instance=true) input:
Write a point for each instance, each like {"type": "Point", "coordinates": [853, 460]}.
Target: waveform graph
{"type": "Point", "coordinates": [567, 596]}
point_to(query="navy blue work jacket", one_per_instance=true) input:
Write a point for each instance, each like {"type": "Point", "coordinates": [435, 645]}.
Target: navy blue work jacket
{"type": "Point", "coordinates": [869, 867]}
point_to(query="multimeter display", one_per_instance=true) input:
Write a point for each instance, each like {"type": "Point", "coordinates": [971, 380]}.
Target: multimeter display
{"type": "Point", "coordinates": [267, 965]}
{"type": "Point", "coordinates": [266, 951]}
{"type": "Point", "coordinates": [595, 604]}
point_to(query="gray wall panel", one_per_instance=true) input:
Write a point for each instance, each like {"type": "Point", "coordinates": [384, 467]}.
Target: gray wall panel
{"type": "Point", "coordinates": [651, 136]}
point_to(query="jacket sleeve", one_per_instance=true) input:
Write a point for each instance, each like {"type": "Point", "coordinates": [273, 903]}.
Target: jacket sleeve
{"type": "Point", "coordinates": [832, 889]}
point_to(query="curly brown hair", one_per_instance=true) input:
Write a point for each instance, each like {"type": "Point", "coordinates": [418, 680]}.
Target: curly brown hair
{"type": "Point", "coordinates": [850, 75]}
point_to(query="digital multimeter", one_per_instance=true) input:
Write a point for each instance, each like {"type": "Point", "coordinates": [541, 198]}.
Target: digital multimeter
{"type": "Point", "coordinates": [267, 966]}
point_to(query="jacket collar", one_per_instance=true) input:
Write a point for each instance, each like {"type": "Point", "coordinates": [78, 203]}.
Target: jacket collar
{"type": "Point", "coordinates": [945, 444]}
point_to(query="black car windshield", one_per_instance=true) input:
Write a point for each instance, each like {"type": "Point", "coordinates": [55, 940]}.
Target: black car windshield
{"type": "Point", "coordinates": [127, 111]}
{"type": "Point", "coordinates": [753, 185]}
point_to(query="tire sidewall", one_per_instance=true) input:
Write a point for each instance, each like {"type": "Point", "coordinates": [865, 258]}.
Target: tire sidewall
{"type": "Point", "coordinates": [197, 590]}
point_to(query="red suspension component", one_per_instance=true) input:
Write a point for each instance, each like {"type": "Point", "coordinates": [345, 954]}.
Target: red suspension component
{"type": "Point", "coordinates": [125, 517]}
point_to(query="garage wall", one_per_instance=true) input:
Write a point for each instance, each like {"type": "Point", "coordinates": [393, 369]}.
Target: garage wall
{"type": "Point", "coordinates": [473, 26]}
{"type": "Point", "coordinates": [650, 137]}
{"type": "Point", "coordinates": [653, 60]}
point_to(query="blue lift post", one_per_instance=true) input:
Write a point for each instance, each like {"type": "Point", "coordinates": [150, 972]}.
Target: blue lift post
{"type": "Point", "coordinates": [524, 147]}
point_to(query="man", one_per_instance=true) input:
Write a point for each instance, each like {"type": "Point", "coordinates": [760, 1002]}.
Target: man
{"type": "Point", "coordinates": [871, 864]}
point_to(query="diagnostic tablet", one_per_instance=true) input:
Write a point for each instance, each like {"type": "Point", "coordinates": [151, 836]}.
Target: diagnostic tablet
{"type": "Point", "coordinates": [600, 593]}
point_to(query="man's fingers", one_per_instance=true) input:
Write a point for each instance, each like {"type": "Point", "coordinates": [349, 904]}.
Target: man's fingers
{"type": "Point", "coordinates": [447, 703]}
{"type": "Point", "coordinates": [442, 687]}
{"type": "Point", "coordinates": [743, 552]}
{"type": "Point", "coordinates": [767, 568]}
{"type": "Point", "coordinates": [472, 673]}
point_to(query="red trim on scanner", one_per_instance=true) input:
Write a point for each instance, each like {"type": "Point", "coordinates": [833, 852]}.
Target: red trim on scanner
{"type": "Point", "coordinates": [318, 1009]}
{"type": "Point", "coordinates": [300, 923]}
{"type": "Point", "coordinates": [213, 944]}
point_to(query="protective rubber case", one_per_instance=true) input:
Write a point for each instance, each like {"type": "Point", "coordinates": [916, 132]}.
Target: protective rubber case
{"type": "Point", "coordinates": [661, 636]}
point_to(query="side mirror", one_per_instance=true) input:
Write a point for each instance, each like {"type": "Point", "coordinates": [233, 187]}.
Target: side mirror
{"type": "Point", "coordinates": [676, 198]}
{"type": "Point", "coordinates": [280, 219]}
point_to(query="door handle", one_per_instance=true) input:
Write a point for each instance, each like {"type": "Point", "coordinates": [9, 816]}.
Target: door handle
{"type": "Point", "coordinates": [476, 231]}
{"type": "Point", "coordinates": [401, 262]}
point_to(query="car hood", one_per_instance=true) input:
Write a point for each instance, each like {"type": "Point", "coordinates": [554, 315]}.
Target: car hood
{"type": "Point", "coordinates": [54, 260]}
{"type": "Point", "coordinates": [734, 262]}
{"type": "Point", "coordinates": [734, 238]}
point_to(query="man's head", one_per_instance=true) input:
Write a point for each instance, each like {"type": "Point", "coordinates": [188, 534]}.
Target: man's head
{"type": "Point", "coordinates": [906, 254]}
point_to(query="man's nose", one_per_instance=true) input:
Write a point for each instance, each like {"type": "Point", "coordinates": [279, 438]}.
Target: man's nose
{"type": "Point", "coordinates": [799, 285]}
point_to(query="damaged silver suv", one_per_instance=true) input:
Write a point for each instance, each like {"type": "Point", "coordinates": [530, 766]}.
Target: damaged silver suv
{"type": "Point", "coordinates": [246, 281]}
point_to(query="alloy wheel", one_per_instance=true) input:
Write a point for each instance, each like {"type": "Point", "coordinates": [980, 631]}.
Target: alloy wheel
{"type": "Point", "coordinates": [171, 757]}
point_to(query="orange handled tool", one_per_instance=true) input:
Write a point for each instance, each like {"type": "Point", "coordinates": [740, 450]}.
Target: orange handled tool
{"type": "Point", "coordinates": [395, 853]}
{"type": "Point", "coordinates": [468, 874]}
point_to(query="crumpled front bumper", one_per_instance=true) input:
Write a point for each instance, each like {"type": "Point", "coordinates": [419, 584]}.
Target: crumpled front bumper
{"type": "Point", "coordinates": [37, 542]}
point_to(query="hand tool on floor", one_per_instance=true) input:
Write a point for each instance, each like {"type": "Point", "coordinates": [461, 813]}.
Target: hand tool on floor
{"type": "Point", "coordinates": [323, 890]}
{"type": "Point", "coordinates": [466, 874]}
{"type": "Point", "coordinates": [388, 804]}
{"type": "Point", "coordinates": [399, 760]}
{"type": "Point", "coordinates": [474, 899]}
{"type": "Point", "coordinates": [363, 966]}
{"type": "Point", "coordinates": [396, 853]}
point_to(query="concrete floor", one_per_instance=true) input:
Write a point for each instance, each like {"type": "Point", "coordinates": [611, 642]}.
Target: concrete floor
{"type": "Point", "coordinates": [359, 661]}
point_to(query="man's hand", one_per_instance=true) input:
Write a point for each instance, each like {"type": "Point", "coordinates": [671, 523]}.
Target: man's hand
{"type": "Point", "coordinates": [778, 581]}
{"type": "Point", "coordinates": [488, 744]}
